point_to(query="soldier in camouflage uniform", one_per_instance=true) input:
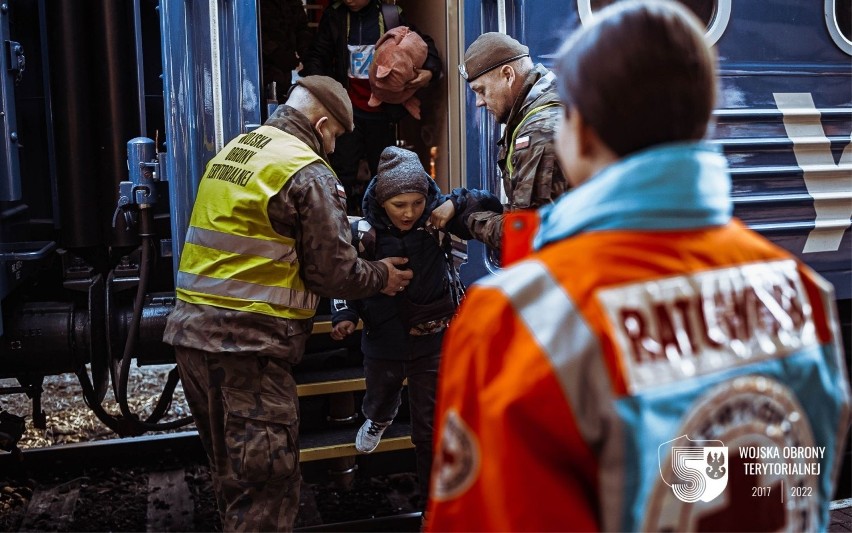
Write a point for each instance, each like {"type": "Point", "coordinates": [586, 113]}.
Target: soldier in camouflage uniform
{"type": "Point", "coordinates": [268, 236]}
{"type": "Point", "coordinates": [521, 95]}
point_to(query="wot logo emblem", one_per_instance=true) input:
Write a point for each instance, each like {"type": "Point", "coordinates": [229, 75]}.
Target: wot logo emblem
{"type": "Point", "coordinates": [699, 468]}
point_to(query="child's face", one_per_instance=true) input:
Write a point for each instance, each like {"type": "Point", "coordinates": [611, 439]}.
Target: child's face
{"type": "Point", "coordinates": [405, 209]}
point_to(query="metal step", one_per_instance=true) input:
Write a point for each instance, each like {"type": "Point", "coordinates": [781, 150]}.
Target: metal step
{"type": "Point", "coordinates": [340, 442]}
{"type": "Point", "coordinates": [316, 375]}
{"type": "Point", "coordinates": [317, 382]}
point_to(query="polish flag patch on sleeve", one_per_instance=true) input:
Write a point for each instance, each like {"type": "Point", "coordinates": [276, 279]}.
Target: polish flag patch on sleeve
{"type": "Point", "coordinates": [341, 192]}
{"type": "Point", "coordinates": [522, 142]}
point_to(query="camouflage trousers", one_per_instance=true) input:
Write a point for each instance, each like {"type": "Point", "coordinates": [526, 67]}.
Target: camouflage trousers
{"type": "Point", "coordinates": [246, 410]}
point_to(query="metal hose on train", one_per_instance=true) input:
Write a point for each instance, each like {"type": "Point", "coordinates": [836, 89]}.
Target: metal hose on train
{"type": "Point", "coordinates": [136, 198]}
{"type": "Point", "coordinates": [152, 422]}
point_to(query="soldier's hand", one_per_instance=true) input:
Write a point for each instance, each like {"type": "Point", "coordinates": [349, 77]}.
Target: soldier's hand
{"type": "Point", "coordinates": [422, 80]}
{"type": "Point", "coordinates": [342, 330]}
{"type": "Point", "coordinates": [442, 214]}
{"type": "Point", "coordinates": [397, 279]}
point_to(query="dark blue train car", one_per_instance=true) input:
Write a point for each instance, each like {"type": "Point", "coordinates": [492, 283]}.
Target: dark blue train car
{"type": "Point", "coordinates": [783, 119]}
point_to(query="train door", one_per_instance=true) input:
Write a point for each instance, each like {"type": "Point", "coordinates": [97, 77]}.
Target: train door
{"type": "Point", "coordinates": [428, 136]}
{"type": "Point", "coordinates": [213, 90]}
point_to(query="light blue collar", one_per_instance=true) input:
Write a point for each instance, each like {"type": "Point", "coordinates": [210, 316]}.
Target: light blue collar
{"type": "Point", "coordinates": [672, 187]}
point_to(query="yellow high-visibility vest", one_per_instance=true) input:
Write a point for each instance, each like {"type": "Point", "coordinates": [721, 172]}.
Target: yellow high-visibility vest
{"type": "Point", "coordinates": [233, 258]}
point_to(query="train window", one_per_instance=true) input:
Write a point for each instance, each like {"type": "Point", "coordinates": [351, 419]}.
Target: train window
{"type": "Point", "coordinates": [838, 18]}
{"type": "Point", "coordinates": [714, 13]}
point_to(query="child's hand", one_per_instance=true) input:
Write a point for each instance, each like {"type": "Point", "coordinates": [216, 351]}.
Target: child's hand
{"type": "Point", "coordinates": [342, 330]}
{"type": "Point", "coordinates": [442, 214]}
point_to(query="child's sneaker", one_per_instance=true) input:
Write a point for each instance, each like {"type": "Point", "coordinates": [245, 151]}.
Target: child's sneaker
{"type": "Point", "coordinates": [369, 436]}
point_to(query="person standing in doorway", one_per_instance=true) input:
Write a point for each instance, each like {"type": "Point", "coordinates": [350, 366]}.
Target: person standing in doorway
{"type": "Point", "coordinates": [343, 49]}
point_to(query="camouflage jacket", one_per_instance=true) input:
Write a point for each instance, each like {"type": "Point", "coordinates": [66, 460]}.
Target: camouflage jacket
{"type": "Point", "coordinates": [310, 209]}
{"type": "Point", "coordinates": [536, 178]}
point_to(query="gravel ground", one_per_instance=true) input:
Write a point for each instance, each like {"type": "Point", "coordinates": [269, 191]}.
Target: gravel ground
{"type": "Point", "coordinates": [70, 420]}
{"type": "Point", "coordinates": [117, 500]}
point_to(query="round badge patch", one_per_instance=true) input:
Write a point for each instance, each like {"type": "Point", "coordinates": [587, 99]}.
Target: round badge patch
{"type": "Point", "coordinates": [761, 463]}
{"type": "Point", "coordinates": [456, 462]}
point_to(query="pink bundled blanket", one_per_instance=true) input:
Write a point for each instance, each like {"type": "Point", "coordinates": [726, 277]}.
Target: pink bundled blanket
{"type": "Point", "coordinates": [398, 55]}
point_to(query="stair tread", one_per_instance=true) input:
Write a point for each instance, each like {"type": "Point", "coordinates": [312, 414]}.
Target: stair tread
{"type": "Point", "coordinates": [340, 442]}
{"type": "Point", "coordinates": [330, 374]}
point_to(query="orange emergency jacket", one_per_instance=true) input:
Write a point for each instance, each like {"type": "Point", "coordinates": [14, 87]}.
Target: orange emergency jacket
{"type": "Point", "coordinates": [626, 379]}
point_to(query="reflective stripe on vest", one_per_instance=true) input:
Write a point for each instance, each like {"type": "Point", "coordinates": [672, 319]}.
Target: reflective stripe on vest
{"type": "Point", "coordinates": [241, 245]}
{"type": "Point", "coordinates": [240, 290]}
{"type": "Point", "coordinates": [233, 258]}
{"type": "Point", "coordinates": [509, 166]}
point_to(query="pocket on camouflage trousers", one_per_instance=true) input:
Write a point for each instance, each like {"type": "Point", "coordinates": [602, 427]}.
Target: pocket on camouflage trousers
{"type": "Point", "coordinates": [260, 433]}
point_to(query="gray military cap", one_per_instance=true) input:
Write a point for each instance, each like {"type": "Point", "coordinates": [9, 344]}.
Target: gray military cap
{"type": "Point", "coordinates": [489, 51]}
{"type": "Point", "coordinates": [332, 95]}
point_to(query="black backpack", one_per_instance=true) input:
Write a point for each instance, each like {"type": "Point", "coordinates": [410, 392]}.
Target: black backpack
{"type": "Point", "coordinates": [391, 15]}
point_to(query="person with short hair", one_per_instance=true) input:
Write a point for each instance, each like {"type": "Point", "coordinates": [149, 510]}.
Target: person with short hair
{"type": "Point", "coordinates": [652, 360]}
{"type": "Point", "coordinates": [268, 237]}
{"type": "Point", "coordinates": [521, 95]}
